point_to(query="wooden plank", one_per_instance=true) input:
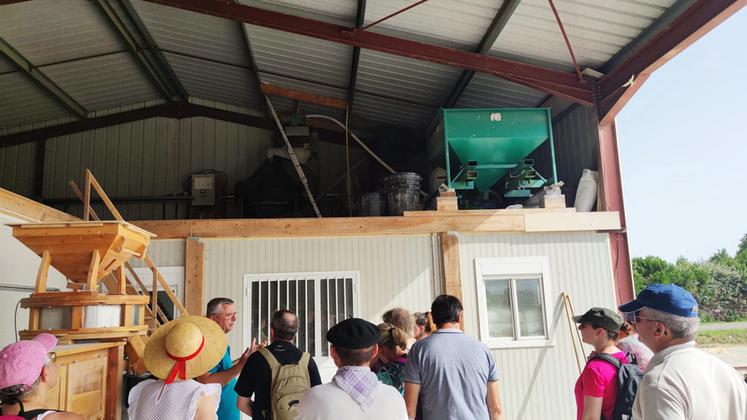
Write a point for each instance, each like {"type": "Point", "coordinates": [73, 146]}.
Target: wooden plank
{"type": "Point", "coordinates": [450, 259]}
{"type": "Point", "coordinates": [41, 275]}
{"type": "Point", "coordinates": [572, 222]}
{"type": "Point", "coordinates": [486, 212]}
{"type": "Point", "coordinates": [113, 394]}
{"type": "Point", "coordinates": [165, 285]}
{"type": "Point", "coordinates": [34, 318]}
{"type": "Point", "coordinates": [76, 317]}
{"type": "Point", "coordinates": [119, 274]}
{"type": "Point", "coordinates": [22, 208]}
{"type": "Point", "coordinates": [302, 96]}
{"type": "Point", "coordinates": [87, 196]}
{"type": "Point", "coordinates": [80, 298]}
{"type": "Point", "coordinates": [127, 315]}
{"type": "Point", "coordinates": [194, 271]}
{"type": "Point", "coordinates": [70, 349]}
{"type": "Point", "coordinates": [93, 270]}
{"type": "Point", "coordinates": [104, 197]}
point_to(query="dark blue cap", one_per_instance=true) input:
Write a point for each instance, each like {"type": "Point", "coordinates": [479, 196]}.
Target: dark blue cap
{"type": "Point", "coordinates": [668, 298]}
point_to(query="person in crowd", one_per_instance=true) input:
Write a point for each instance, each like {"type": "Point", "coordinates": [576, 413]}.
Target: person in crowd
{"type": "Point", "coordinates": [223, 312]}
{"type": "Point", "coordinates": [258, 376]}
{"type": "Point", "coordinates": [596, 388]}
{"type": "Point", "coordinates": [393, 353]}
{"type": "Point", "coordinates": [628, 342]}
{"type": "Point", "coordinates": [423, 325]}
{"type": "Point", "coordinates": [176, 352]}
{"type": "Point", "coordinates": [354, 393]}
{"type": "Point", "coordinates": [681, 381]}
{"type": "Point", "coordinates": [453, 376]}
{"type": "Point", "coordinates": [402, 319]}
{"type": "Point", "coordinates": [27, 373]}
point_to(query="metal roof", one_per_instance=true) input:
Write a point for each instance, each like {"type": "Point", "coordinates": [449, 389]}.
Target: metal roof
{"type": "Point", "coordinates": [76, 47]}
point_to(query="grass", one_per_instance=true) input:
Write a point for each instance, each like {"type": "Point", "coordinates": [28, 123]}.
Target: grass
{"type": "Point", "coordinates": [718, 337]}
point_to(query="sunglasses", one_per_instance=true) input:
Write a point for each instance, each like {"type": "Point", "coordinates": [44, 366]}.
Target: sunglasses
{"type": "Point", "coordinates": [52, 357]}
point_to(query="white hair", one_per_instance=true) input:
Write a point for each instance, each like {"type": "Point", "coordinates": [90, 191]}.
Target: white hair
{"type": "Point", "coordinates": [680, 326]}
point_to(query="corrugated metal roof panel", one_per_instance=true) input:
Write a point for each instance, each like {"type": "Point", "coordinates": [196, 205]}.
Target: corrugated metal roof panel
{"type": "Point", "coordinates": [23, 102]}
{"type": "Point", "coordinates": [487, 91]}
{"type": "Point", "coordinates": [454, 23]}
{"type": "Point", "coordinates": [103, 82]}
{"type": "Point", "coordinates": [424, 83]}
{"type": "Point", "coordinates": [597, 29]}
{"type": "Point", "coordinates": [195, 34]}
{"type": "Point", "coordinates": [218, 82]}
{"type": "Point", "coordinates": [340, 12]}
{"type": "Point", "coordinates": [370, 110]}
{"type": "Point", "coordinates": [49, 31]}
{"type": "Point", "coordinates": [300, 57]}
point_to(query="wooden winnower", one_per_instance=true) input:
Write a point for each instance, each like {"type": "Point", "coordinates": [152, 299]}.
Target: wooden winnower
{"type": "Point", "coordinates": [86, 253]}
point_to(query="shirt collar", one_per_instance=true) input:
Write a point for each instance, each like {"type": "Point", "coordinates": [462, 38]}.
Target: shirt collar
{"type": "Point", "coordinates": [448, 330]}
{"type": "Point", "coordinates": [662, 355]}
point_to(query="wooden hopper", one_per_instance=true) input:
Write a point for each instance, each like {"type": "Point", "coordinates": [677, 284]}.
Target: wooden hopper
{"type": "Point", "coordinates": [85, 252]}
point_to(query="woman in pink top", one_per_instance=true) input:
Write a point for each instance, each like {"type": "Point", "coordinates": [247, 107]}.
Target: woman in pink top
{"type": "Point", "coordinates": [596, 388]}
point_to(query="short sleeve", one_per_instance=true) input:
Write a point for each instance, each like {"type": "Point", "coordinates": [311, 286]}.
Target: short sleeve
{"type": "Point", "coordinates": [593, 379]}
{"type": "Point", "coordinates": [247, 382]}
{"type": "Point", "coordinates": [493, 374]}
{"type": "Point", "coordinates": [314, 377]}
{"type": "Point", "coordinates": [412, 366]}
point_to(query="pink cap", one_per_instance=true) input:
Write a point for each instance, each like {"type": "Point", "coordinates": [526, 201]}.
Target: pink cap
{"type": "Point", "coordinates": [21, 362]}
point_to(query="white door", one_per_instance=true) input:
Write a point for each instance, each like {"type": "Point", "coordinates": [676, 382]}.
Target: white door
{"type": "Point", "coordinates": [320, 300]}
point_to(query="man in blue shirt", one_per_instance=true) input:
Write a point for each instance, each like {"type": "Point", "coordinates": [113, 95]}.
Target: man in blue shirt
{"type": "Point", "coordinates": [223, 312]}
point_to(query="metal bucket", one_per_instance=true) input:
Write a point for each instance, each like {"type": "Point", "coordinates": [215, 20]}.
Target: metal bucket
{"type": "Point", "coordinates": [402, 192]}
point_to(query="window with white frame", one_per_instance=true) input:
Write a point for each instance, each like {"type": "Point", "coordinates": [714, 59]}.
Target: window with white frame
{"type": "Point", "coordinates": [514, 301]}
{"type": "Point", "coordinates": [320, 300]}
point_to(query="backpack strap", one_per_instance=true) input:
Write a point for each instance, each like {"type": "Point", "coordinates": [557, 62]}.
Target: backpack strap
{"type": "Point", "coordinates": [609, 359]}
{"type": "Point", "coordinates": [270, 358]}
{"type": "Point", "coordinates": [304, 361]}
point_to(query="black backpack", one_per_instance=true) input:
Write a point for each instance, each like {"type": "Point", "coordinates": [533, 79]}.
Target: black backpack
{"type": "Point", "coordinates": [629, 375]}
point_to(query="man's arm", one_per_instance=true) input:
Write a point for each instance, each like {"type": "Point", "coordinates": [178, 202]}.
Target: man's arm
{"type": "Point", "coordinates": [244, 405]}
{"type": "Point", "coordinates": [225, 376]}
{"type": "Point", "coordinates": [495, 408]}
{"type": "Point", "coordinates": [412, 392]}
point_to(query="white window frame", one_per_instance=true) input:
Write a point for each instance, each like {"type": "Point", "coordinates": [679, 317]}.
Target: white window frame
{"type": "Point", "coordinates": [316, 277]}
{"type": "Point", "coordinates": [512, 269]}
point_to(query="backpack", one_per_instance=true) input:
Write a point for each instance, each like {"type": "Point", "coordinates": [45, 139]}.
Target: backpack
{"type": "Point", "coordinates": [289, 383]}
{"type": "Point", "coordinates": [629, 375]}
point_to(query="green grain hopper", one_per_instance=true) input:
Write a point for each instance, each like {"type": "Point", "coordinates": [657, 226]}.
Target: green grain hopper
{"type": "Point", "coordinates": [480, 146]}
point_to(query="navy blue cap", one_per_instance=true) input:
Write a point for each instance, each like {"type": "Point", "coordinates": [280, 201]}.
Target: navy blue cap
{"type": "Point", "coordinates": [668, 298]}
{"type": "Point", "coordinates": [353, 333]}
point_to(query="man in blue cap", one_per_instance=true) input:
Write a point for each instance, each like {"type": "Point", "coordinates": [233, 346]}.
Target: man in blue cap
{"type": "Point", "coordinates": [681, 382]}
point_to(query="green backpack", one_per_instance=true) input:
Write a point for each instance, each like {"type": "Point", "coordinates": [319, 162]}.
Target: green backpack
{"type": "Point", "coordinates": [289, 383]}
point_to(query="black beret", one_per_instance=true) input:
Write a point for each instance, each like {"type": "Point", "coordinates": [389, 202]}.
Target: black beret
{"type": "Point", "coordinates": [353, 333]}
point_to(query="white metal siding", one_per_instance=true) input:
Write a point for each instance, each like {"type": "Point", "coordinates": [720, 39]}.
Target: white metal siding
{"type": "Point", "coordinates": [165, 253]}
{"type": "Point", "coordinates": [394, 270]}
{"type": "Point", "coordinates": [537, 383]}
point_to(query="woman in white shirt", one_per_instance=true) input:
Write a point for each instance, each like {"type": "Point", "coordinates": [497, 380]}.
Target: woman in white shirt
{"type": "Point", "coordinates": [177, 352]}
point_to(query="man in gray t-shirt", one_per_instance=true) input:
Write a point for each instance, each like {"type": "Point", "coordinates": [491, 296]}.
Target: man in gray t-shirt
{"type": "Point", "coordinates": [450, 375]}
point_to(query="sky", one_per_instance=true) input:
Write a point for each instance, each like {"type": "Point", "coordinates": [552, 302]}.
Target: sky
{"type": "Point", "coordinates": [683, 150]}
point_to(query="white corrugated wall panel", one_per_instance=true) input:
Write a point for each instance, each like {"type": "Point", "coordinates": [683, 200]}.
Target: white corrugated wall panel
{"type": "Point", "coordinates": [50, 31]}
{"type": "Point", "coordinates": [103, 82]}
{"type": "Point", "coordinates": [193, 34]}
{"type": "Point", "coordinates": [153, 157]}
{"type": "Point", "coordinates": [300, 57]}
{"type": "Point", "coordinates": [455, 23]}
{"type": "Point", "coordinates": [488, 91]}
{"type": "Point", "coordinates": [23, 102]}
{"type": "Point", "coordinates": [220, 82]}
{"type": "Point", "coordinates": [394, 270]}
{"type": "Point", "coordinates": [537, 383]}
{"type": "Point", "coordinates": [165, 253]}
{"type": "Point", "coordinates": [596, 30]}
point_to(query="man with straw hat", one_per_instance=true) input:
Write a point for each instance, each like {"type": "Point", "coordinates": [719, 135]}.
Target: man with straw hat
{"type": "Point", "coordinates": [177, 352]}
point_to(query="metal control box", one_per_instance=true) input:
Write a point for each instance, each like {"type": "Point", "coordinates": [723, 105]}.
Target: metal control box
{"type": "Point", "coordinates": [203, 190]}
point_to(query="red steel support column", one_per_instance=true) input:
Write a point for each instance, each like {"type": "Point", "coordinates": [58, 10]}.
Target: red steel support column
{"type": "Point", "coordinates": [612, 200]}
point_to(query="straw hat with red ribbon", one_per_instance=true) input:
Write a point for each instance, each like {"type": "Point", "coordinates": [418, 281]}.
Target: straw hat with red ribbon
{"type": "Point", "coordinates": [184, 348]}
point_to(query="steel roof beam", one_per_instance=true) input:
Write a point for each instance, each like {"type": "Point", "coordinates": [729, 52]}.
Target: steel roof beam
{"type": "Point", "coordinates": [496, 27]}
{"type": "Point", "coordinates": [353, 78]}
{"type": "Point", "coordinates": [42, 80]}
{"type": "Point", "coordinates": [148, 66]}
{"type": "Point", "coordinates": [252, 63]}
{"type": "Point", "coordinates": [615, 88]}
{"type": "Point", "coordinates": [178, 110]}
{"type": "Point", "coordinates": [155, 55]}
{"type": "Point", "coordinates": [551, 81]}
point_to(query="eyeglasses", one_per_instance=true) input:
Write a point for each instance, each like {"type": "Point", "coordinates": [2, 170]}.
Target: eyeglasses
{"type": "Point", "coordinates": [638, 319]}
{"type": "Point", "coordinates": [52, 357]}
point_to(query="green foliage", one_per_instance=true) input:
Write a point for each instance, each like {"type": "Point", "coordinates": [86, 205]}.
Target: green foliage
{"type": "Point", "coordinates": [719, 284]}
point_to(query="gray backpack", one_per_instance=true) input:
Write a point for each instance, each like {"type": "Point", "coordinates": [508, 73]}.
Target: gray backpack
{"type": "Point", "coordinates": [289, 383]}
{"type": "Point", "coordinates": [629, 375]}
